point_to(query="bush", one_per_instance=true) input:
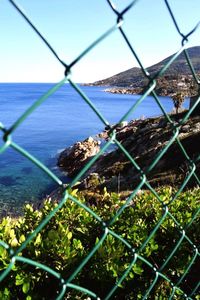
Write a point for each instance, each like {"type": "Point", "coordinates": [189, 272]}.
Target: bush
{"type": "Point", "coordinates": [71, 234]}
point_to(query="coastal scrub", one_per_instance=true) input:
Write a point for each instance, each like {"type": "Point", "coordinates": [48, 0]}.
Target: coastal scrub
{"type": "Point", "coordinates": [73, 232]}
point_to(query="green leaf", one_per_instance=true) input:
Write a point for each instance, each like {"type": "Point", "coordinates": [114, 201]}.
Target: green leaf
{"type": "Point", "coordinates": [19, 279]}
{"type": "Point", "coordinates": [77, 244]}
{"type": "Point", "coordinates": [137, 270]}
{"type": "Point", "coordinates": [79, 229]}
{"type": "Point", "coordinates": [2, 249]}
{"type": "Point", "coordinates": [74, 192]}
{"type": "Point", "coordinates": [3, 252]}
{"type": "Point", "coordinates": [12, 233]}
{"type": "Point", "coordinates": [53, 235]}
{"type": "Point", "coordinates": [22, 238]}
{"type": "Point", "coordinates": [14, 242]}
{"type": "Point", "coordinates": [69, 235]}
{"type": "Point", "coordinates": [26, 287]}
{"type": "Point", "coordinates": [29, 208]}
{"type": "Point", "coordinates": [131, 275]}
{"type": "Point", "coordinates": [6, 292]}
{"type": "Point", "coordinates": [38, 240]}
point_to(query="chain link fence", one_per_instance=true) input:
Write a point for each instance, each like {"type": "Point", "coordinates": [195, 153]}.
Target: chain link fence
{"type": "Point", "coordinates": [18, 256]}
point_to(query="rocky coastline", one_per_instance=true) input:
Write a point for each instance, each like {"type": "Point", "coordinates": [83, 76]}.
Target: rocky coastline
{"type": "Point", "coordinates": [165, 86]}
{"type": "Point", "coordinates": [124, 91]}
{"type": "Point", "coordinates": [144, 140]}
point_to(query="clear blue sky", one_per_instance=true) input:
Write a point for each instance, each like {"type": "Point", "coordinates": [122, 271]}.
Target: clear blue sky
{"type": "Point", "coordinates": [70, 26]}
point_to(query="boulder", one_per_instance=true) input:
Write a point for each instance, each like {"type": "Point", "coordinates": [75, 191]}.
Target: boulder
{"type": "Point", "coordinates": [74, 158]}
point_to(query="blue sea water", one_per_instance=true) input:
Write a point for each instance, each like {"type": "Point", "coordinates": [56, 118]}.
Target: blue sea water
{"type": "Point", "coordinates": [60, 121]}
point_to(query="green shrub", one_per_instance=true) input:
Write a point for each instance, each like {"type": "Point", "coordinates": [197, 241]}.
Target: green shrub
{"type": "Point", "coordinates": [71, 234]}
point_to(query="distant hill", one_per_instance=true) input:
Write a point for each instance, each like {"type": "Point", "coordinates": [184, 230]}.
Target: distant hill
{"type": "Point", "coordinates": [178, 71]}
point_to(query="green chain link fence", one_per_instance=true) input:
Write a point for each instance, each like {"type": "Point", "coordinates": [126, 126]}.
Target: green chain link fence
{"type": "Point", "coordinates": [107, 227]}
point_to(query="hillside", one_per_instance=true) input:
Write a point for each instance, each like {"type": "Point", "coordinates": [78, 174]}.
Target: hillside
{"type": "Point", "coordinates": [178, 73]}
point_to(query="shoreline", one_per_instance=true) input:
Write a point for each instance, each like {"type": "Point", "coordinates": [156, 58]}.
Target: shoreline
{"type": "Point", "coordinates": [144, 140]}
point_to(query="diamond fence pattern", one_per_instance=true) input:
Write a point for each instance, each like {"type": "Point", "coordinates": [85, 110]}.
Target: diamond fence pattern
{"type": "Point", "coordinates": [67, 283]}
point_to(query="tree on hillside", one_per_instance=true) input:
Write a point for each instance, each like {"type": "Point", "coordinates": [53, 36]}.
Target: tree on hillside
{"type": "Point", "coordinates": [178, 100]}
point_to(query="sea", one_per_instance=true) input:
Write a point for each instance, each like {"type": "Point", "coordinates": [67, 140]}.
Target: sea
{"type": "Point", "coordinates": [63, 119]}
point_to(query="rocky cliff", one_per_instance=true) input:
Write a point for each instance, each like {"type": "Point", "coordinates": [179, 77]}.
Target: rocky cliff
{"type": "Point", "coordinates": [144, 140]}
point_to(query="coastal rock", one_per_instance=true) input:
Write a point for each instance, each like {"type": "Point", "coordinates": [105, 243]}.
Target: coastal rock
{"type": "Point", "coordinates": [125, 91]}
{"type": "Point", "coordinates": [144, 140]}
{"type": "Point", "coordinates": [74, 158]}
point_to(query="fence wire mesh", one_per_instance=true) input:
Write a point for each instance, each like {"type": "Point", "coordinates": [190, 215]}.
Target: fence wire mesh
{"type": "Point", "coordinates": [66, 283]}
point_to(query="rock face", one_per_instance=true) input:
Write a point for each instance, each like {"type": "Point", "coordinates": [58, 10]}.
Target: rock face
{"type": "Point", "coordinates": [144, 140]}
{"type": "Point", "coordinates": [74, 158]}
